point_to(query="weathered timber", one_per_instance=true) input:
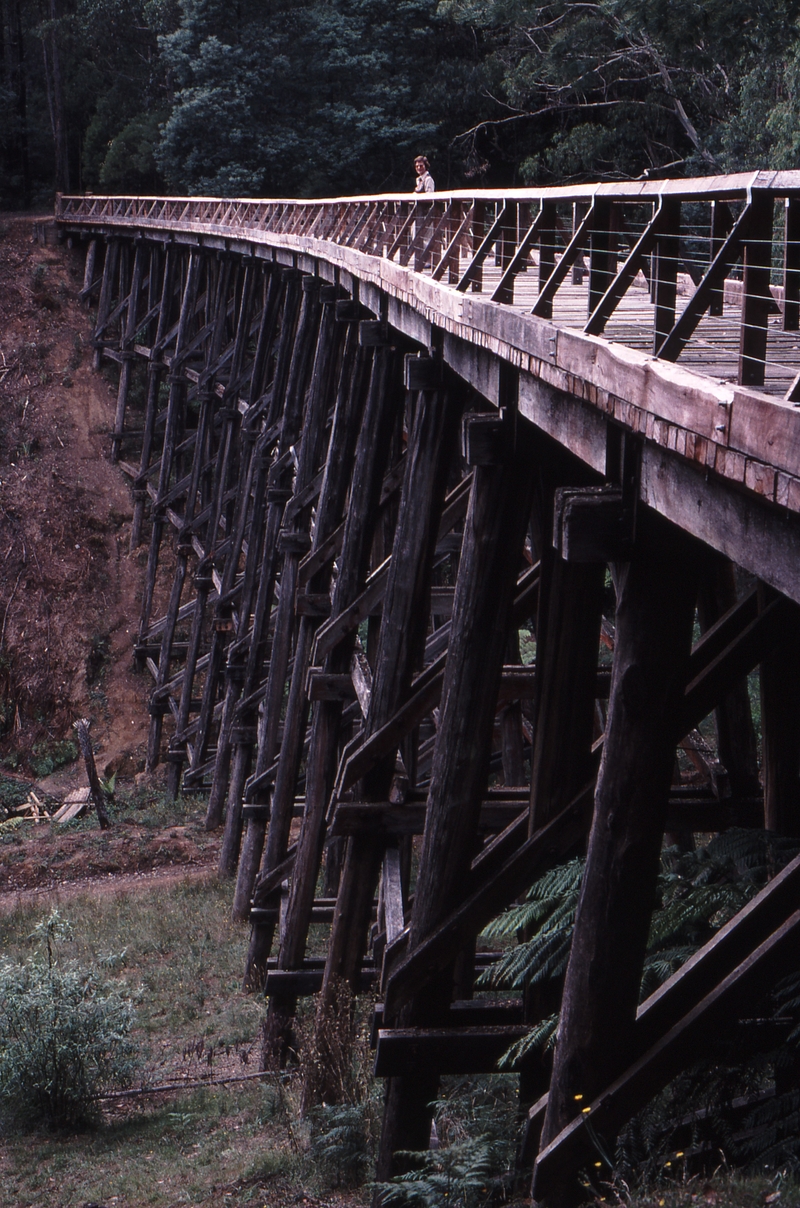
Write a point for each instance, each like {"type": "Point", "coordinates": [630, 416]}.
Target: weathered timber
{"type": "Point", "coordinates": [338, 465]}
{"type": "Point", "coordinates": [736, 738]}
{"type": "Point", "coordinates": [567, 639]}
{"type": "Point", "coordinates": [791, 265]}
{"type": "Point", "coordinates": [780, 719]}
{"type": "Point", "coordinates": [757, 301]}
{"type": "Point", "coordinates": [359, 530]}
{"type": "Point", "coordinates": [359, 756]}
{"type": "Point", "coordinates": [110, 266]}
{"type": "Point", "coordinates": [685, 1042]}
{"type": "Point", "coordinates": [275, 504]}
{"type": "Point", "coordinates": [470, 1012]}
{"type": "Point", "coordinates": [655, 608]}
{"type": "Point", "coordinates": [492, 545]}
{"type": "Point", "coordinates": [309, 330]}
{"type": "Point", "coordinates": [126, 348]}
{"type": "Point", "coordinates": [154, 374]}
{"type": "Point", "coordinates": [173, 424]}
{"type": "Point", "coordinates": [698, 977]}
{"type": "Point", "coordinates": [401, 642]}
{"type": "Point", "coordinates": [95, 788]}
{"type": "Point", "coordinates": [503, 869]}
{"type": "Point", "coordinates": [465, 1049]}
{"type": "Point", "coordinates": [363, 395]}
{"type": "Point", "coordinates": [718, 457]}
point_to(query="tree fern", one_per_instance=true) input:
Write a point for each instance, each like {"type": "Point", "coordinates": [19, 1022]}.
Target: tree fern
{"type": "Point", "coordinates": [787, 1001]}
{"type": "Point", "coordinates": [698, 892]}
{"type": "Point", "coordinates": [541, 1038]}
{"type": "Point", "coordinates": [457, 1177]}
{"type": "Point", "coordinates": [550, 906]}
{"type": "Point", "coordinates": [478, 1125]}
{"type": "Point", "coordinates": [771, 1134]}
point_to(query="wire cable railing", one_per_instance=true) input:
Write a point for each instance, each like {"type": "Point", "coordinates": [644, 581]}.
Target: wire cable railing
{"type": "Point", "coordinates": [674, 267]}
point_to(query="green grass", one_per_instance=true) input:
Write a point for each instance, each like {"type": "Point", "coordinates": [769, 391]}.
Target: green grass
{"type": "Point", "coordinates": [212, 1146]}
{"type": "Point", "coordinates": [154, 807]}
{"type": "Point", "coordinates": [725, 1189]}
{"type": "Point", "coordinates": [174, 947]}
{"type": "Point", "coordinates": [176, 952]}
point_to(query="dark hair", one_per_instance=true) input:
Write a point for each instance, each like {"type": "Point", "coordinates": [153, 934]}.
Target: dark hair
{"type": "Point", "coordinates": [422, 159]}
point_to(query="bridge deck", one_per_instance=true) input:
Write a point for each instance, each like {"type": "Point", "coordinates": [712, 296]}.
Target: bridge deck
{"type": "Point", "coordinates": [712, 352]}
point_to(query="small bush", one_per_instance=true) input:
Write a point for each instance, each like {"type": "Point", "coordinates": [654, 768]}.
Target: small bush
{"type": "Point", "coordinates": [12, 794]}
{"type": "Point", "coordinates": [63, 1037]}
{"type": "Point", "coordinates": [473, 1163]}
{"type": "Point", "coordinates": [47, 757]}
{"type": "Point", "coordinates": [342, 1142]}
{"type": "Point", "coordinates": [337, 1081]}
{"type": "Point", "coordinates": [459, 1176]}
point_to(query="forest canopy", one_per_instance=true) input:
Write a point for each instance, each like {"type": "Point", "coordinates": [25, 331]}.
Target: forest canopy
{"type": "Point", "coordinates": [326, 97]}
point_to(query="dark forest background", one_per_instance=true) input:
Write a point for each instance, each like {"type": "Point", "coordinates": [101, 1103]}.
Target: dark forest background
{"type": "Point", "coordinates": [329, 97]}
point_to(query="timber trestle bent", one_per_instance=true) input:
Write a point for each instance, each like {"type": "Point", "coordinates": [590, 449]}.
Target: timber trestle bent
{"type": "Point", "coordinates": [438, 493]}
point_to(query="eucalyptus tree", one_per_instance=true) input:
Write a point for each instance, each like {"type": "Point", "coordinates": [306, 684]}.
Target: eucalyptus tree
{"type": "Point", "coordinates": [311, 97]}
{"type": "Point", "coordinates": [615, 88]}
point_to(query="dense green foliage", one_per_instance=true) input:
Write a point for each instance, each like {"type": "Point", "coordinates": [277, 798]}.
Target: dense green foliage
{"type": "Point", "coordinates": [698, 892]}
{"type": "Point", "coordinates": [478, 1131]}
{"type": "Point", "coordinates": [330, 97]}
{"type": "Point", "coordinates": [64, 1037]}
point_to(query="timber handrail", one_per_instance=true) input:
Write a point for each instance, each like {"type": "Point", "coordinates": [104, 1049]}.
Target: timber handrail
{"type": "Point", "coordinates": [591, 290]}
{"type": "Point", "coordinates": [628, 229]}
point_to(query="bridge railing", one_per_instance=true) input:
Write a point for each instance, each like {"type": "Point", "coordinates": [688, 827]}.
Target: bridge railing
{"type": "Point", "coordinates": [645, 262]}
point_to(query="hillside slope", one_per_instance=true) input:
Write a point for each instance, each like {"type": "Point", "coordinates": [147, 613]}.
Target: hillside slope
{"type": "Point", "coordinates": [68, 584]}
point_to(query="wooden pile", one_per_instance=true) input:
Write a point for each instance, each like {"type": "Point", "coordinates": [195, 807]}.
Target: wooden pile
{"type": "Point", "coordinates": [33, 808]}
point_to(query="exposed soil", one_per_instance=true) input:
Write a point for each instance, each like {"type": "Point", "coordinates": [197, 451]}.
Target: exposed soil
{"type": "Point", "coordinates": [39, 860]}
{"type": "Point", "coordinates": [68, 585]}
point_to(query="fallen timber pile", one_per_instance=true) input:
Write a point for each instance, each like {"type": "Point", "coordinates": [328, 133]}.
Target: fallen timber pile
{"type": "Point", "coordinates": [365, 491]}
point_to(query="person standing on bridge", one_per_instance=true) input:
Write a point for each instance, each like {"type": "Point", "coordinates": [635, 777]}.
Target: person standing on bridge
{"type": "Point", "coordinates": [424, 179]}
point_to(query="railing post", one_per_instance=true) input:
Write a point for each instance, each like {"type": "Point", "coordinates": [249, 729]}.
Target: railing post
{"type": "Point", "coordinates": [721, 225]}
{"type": "Point", "coordinates": [547, 249]}
{"type": "Point", "coordinates": [478, 232]}
{"type": "Point", "coordinates": [757, 302]}
{"type": "Point", "coordinates": [664, 272]}
{"type": "Point", "coordinates": [453, 225]}
{"type": "Point", "coordinates": [601, 254]}
{"type": "Point", "coordinates": [791, 265]}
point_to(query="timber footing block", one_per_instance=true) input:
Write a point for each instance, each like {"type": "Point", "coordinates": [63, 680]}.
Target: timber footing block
{"type": "Point", "coordinates": [592, 524]}
{"type": "Point", "coordinates": [487, 438]}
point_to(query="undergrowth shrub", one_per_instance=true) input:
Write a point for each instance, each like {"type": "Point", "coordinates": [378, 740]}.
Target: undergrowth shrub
{"type": "Point", "coordinates": [12, 794]}
{"type": "Point", "coordinates": [456, 1177]}
{"type": "Point", "coordinates": [472, 1166]}
{"type": "Point", "coordinates": [698, 892]}
{"type": "Point", "coordinates": [64, 1037]}
{"type": "Point", "coordinates": [339, 1094]}
{"type": "Point", "coordinates": [48, 757]}
{"type": "Point", "coordinates": [736, 1105]}
{"type": "Point", "coordinates": [342, 1143]}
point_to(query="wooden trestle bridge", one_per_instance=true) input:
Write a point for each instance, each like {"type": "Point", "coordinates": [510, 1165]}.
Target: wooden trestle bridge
{"type": "Point", "coordinates": [380, 445]}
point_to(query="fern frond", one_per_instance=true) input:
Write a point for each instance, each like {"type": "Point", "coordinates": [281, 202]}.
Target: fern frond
{"type": "Point", "coordinates": [458, 1176]}
{"type": "Point", "coordinates": [698, 909]}
{"type": "Point", "coordinates": [543, 957]}
{"type": "Point", "coordinates": [541, 1038]}
{"type": "Point", "coordinates": [550, 898]}
{"type": "Point", "coordinates": [660, 966]}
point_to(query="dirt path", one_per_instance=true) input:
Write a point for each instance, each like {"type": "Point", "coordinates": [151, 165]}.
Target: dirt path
{"type": "Point", "coordinates": [100, 887]}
